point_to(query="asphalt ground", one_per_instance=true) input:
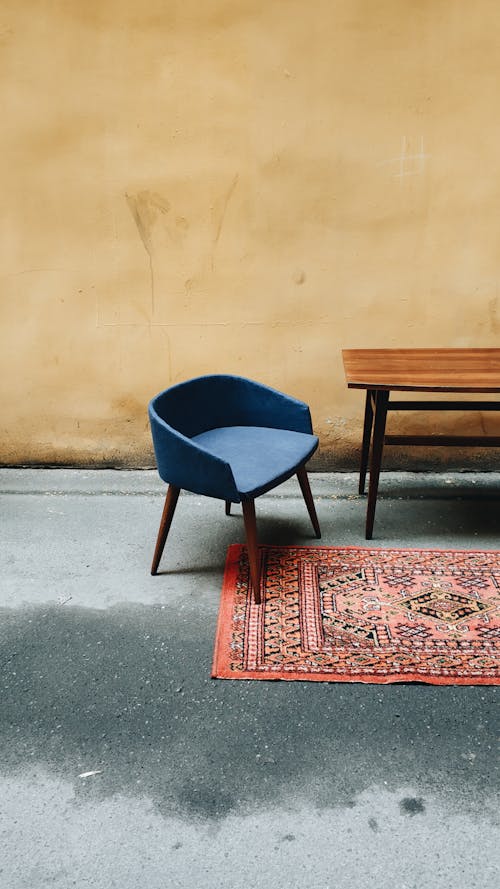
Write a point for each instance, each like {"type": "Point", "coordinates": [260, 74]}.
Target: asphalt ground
{"type": "Point", "coordinates": [123, 764]}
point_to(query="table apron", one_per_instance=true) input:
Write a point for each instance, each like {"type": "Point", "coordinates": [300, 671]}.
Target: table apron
{"type": "Point", "coordinates": [443, 406]}
{"type": "Point", "coordinates": [474, 441]}
{"type": "Point", "coordinates": [483, 441]}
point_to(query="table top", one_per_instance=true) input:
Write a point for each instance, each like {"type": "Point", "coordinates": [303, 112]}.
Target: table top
{"type": "Point", "coordinates": [418, 370]}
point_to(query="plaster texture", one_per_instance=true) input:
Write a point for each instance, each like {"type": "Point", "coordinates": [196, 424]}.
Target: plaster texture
{"type": "Point", "coordinates": [242, 187]}
{"type": "Point", "coordinates": [124, 765]}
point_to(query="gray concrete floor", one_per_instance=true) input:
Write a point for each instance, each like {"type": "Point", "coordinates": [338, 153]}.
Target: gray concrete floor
{"type": "Point", "coordinates": [194, 782]}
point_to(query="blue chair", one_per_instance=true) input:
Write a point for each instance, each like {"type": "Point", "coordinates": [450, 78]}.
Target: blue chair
{"type": "Point", "coordinates": [231, 438]}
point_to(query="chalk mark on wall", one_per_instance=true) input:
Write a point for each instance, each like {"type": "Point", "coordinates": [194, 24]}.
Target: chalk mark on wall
{"type": "Point", "coordinates": [37, 271]}
{"type": "Point", "coordinates": [408, 163]}
{"type": "Point", "coordinates": [277, 323]}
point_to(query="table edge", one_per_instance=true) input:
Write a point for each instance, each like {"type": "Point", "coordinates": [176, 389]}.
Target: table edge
{"type": "Point", "coordinates": [388, 387]}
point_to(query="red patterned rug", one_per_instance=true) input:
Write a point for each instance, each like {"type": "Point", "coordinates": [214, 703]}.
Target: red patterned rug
{"type": "Point", "coordinates": [362, 615]}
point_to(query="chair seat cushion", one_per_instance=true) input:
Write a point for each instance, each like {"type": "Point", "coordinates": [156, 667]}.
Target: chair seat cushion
{"type": "Point", "coordinates": [260, 458]}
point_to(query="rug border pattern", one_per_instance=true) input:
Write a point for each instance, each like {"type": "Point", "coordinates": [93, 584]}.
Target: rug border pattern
{"type": "Point", "coordinates": [221, 668]}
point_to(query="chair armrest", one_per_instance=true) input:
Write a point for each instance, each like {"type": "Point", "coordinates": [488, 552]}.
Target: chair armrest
{"type": "Point", "coordinates": [189, 466]}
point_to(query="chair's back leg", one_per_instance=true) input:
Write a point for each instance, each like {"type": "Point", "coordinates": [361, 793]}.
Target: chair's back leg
{"type": "Point", "coordinates": [228, 507]}
{"type": "Point", "coordinates": [306, 493]}
{"type": "Point", "coordinates": [252, 547]}
{"type": "Point", "coordinates": [166, 520]}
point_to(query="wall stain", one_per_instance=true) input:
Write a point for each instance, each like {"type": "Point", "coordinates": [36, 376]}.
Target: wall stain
{"type": "Point", "coordinates": [494, 314]}
{"type": "Point", "coordinates": [146, 207]}
{"type": "Point", "coordinates": [225, 201]}
{"type": "Point", "coordinates": [6, 34]}
{"type": "Point", "coordinates": [129, 407]}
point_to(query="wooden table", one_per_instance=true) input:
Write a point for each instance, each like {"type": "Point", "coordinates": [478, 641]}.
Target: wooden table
{"type": "Point", "coordinates": [417, 370]}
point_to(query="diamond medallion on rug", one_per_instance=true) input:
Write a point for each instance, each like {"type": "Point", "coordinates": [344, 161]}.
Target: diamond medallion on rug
{"type": "Point", "coordinates": [362, 615]}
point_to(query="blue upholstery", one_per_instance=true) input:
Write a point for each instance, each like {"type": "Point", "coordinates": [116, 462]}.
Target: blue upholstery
{"type": "Point", "coordinates": [229, 437]}
{"type": "Point", "coordinates": [259, 458]}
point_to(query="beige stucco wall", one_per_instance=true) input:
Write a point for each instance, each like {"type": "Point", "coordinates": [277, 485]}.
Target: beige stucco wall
{"type": "Point", "coordinates": [237, 185]}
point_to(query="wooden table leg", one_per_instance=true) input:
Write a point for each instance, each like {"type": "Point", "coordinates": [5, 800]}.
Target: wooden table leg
{"type": "Point", "coordinates": [381, 402]}
{"type": "Point", "coordinates": [367, 434]}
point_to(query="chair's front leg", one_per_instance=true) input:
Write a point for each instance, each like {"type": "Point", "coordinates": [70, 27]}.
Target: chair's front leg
{"type": "Point", "coordinates": [252, 547]}
{"type": "Point", "coordinates": [307, 495]}
{"type": "Point", "coordinates": [166, 520]}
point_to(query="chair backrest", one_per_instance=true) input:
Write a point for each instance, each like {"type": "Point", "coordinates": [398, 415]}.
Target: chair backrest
{"type": "Point", "coordinates": [210, 402]}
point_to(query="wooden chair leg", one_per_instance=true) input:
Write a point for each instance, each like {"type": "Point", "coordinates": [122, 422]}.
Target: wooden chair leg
{"type": "Point", "coordinates": [252, 547]}
{"type": "Point", "coordinates": [228, 507]}
{"type": "Point", "coordinates": [166, 520]}
{"type": "Point", "coordinates": [306, 493]}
